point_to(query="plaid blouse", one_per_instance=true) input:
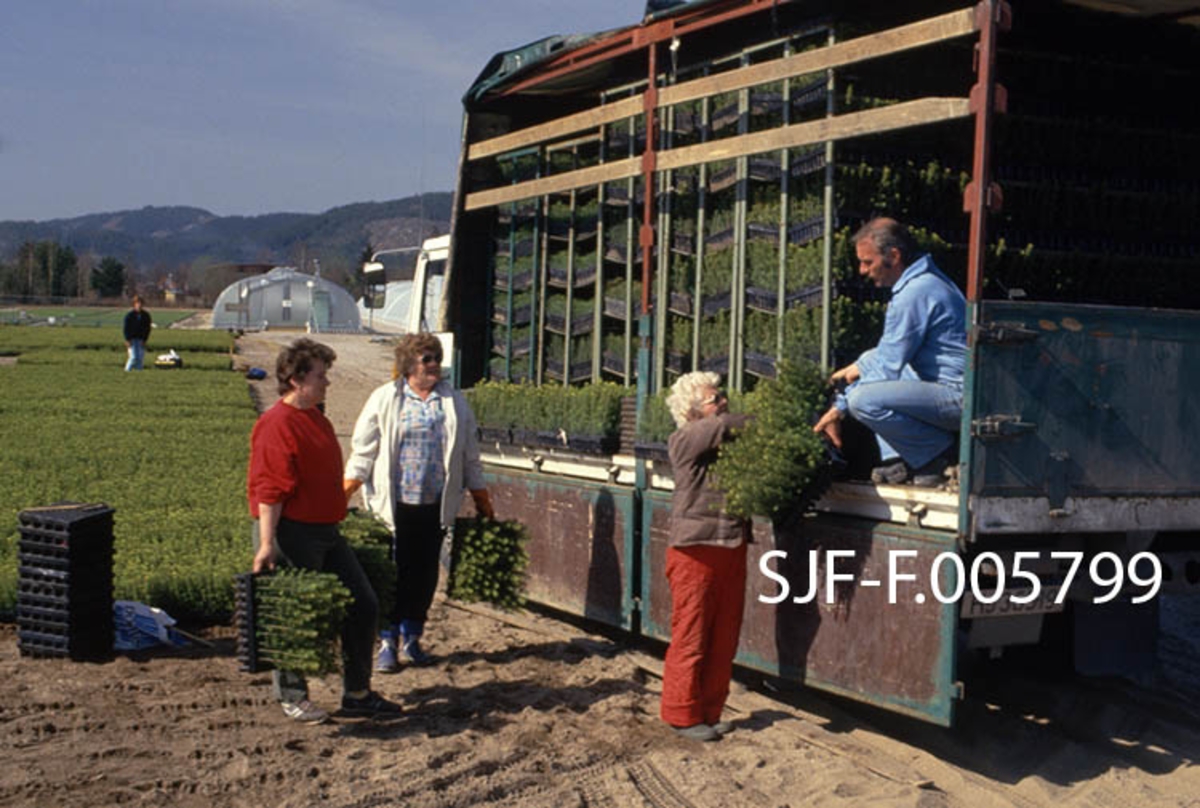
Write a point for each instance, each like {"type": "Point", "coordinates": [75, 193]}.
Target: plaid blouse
{"type": "Point", "coordinates": [420, 475]}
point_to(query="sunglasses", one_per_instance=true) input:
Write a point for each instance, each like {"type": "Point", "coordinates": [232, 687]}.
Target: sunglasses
{"type": "Point", "coordinates": [425, 359]}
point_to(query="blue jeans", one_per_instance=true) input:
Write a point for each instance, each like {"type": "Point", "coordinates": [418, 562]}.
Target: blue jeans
{"type": "Point", "coordinates": [912, 419]}
{"type": "Point", "coordinates": [137, 353]}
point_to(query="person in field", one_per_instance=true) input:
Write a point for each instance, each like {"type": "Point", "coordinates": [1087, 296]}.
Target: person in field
{"type": "Point", "coordinates": [137, 333]}
{"type": "Point", "coordinates": [294, 486]}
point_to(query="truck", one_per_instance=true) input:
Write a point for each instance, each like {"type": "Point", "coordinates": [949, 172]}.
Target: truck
{"type": "Point", "coordinates": [409, 297]}
{"type": "Point", "coordinates": [677, 195]}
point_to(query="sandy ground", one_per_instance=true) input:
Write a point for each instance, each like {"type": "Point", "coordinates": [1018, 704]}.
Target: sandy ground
{"type": "Point", "coordinates": [531, 711]}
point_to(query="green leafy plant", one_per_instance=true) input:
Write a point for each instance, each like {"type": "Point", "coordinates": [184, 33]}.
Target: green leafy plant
{"type": "Point", "coordinates": [683, 273]}
{"type": "Point", "coordinates": [491, 401]}
{"type": "Point", "coordinates": [371, 541]}
{"type": "Point", "coordinates": [521, 264]}
{"type": "Point", "coordinates": [590, 409]}
{"type": "Point", "coordinates": [679, 334]}
{"type": "Point", "coordinates": [656, 424]}
{"type": "Point", "coordinates": [614, 343]}
{"type": "Point", "coordinates": [594, 409]}
{"type": "Point", "coordinates": [532, 406]}
{"type": "Point", "coordinates": [714, 335]}
{"type": "Point", "coordinates": [298, 619]}
{"type": "Point", "coordinates": [518, 370]}
{"type": "Point", "coordinates": [776, 459]}
{"type": "Point", "coordinates": [718, 271]}
{"type": "Point", "coordinates": [556, 304]}
{"type": "Point", "coordinates": [488, 561]}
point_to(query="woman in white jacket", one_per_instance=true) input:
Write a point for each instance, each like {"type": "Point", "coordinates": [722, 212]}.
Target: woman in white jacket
{"type": "Point", "coordinates": [413, 453]}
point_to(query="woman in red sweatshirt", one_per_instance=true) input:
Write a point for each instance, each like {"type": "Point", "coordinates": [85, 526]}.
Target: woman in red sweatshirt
{"type": "Point", "coordinates": [294, 486]}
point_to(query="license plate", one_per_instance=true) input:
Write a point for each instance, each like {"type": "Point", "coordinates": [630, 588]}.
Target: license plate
{"type": "Point", "coordinates": [1004, 607]}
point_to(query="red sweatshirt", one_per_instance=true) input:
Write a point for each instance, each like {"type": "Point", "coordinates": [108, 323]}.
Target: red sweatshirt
{"type": "Point", "coordinates": [295, 460]}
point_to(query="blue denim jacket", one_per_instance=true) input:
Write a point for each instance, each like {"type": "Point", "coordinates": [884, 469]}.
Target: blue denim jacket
{"type": "Point", "coordinates": [924, 332]}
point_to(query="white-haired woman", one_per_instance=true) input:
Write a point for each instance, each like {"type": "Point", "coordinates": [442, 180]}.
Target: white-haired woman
{"type": "Point", "coordinates": [706, 564]}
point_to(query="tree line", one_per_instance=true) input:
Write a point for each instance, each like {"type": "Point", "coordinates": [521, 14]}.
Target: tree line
{"type": "Point", "coordinates": [49, 269]}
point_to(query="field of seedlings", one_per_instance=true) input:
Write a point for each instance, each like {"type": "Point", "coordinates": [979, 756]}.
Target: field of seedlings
{"type": "Point", "coordinates": [91, 316]}
{"type": "Point", "coordinates": [165, 448]}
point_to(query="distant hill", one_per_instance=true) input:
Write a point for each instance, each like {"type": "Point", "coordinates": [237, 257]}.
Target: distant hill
{"type": "Point", "coordinates": [156, 240]}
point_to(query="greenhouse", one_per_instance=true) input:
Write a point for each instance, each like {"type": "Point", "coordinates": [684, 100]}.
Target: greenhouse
{"type": "Point", "coordinates": [286, 298]}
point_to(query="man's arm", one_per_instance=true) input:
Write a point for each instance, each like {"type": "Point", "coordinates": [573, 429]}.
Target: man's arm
{"type": "Point", "coordinates": [904, 329]}
{"type": "Point", "coordinates": [848, 375]}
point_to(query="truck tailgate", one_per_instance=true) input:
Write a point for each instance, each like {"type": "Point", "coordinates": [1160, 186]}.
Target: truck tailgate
{"type": "Point", "coordinates": [1083, 418]}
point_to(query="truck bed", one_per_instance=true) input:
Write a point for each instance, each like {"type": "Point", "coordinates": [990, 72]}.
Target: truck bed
{"type": "Point", "coordinates": [901, 504]}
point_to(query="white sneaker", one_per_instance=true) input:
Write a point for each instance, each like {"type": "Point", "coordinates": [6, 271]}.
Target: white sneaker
{"type": "Point", "coordinates": [304, 712]}
{"type": "Point", "coordinates": [385, 660]}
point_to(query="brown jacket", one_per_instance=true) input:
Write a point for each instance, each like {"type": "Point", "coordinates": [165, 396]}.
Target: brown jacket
{"type": "Point", "coordinates": [697, 506]}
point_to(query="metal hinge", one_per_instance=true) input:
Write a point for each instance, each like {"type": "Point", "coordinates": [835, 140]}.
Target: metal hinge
{"type": "Point", "coordinates": [999, 427]}
{"type": "Point", "coordinates": [994, 333]}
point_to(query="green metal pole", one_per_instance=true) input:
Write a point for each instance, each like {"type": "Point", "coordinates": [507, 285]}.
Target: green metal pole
{"type": "Point", "coordinates": [785, 176]}
{"type": "Point", "coordinates": [568, 318]}
{"type": "Point", "coordinates": [701, 225]}
{"type": "Point", "coordinates": [827, 245]}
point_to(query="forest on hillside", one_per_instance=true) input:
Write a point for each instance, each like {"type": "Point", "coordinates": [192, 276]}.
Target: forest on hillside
{"type": "Point", "coordinates": [192, 251]}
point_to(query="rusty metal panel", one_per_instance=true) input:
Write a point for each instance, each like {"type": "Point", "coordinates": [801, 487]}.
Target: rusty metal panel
{"type": "Point", "coordinates": [656, 596]}
{"type": "Point", "coordinates": [580, 539]}
{"type": "Point", "coordinates": [899, 656]}
{"type": "Point", "coordinates": [1083, 418]}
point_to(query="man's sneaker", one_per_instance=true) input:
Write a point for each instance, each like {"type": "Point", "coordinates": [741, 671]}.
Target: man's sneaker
{"type": "Point", "coordinates": [933, 473]}
{"type": "Point", "coordinates": [722, 727]}
{"type": "Point", "coordinates": [892, 473]}
{"type": "Point", "coordinates": [371, 705]}
{"type": "Point", "coordinates": [698, 732]}
{"type": "Point", "coordinates": [385, 660]}
{"type": "Point", "coordinates": [304, 712]}
{"type": "Point", "coordinates": [411, 652]}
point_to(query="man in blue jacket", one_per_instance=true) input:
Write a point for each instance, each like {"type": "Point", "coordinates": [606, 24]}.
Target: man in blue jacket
{"type": "Point", "coordinates": [908, 388]}
{"type": "Point", "coordinates": [137, 332]}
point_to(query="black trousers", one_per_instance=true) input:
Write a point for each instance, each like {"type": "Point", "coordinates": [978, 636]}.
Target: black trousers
{"type": "Point", "coordinates": [417, 548]}
{"type": "Point", "coordinates": [322, 548]}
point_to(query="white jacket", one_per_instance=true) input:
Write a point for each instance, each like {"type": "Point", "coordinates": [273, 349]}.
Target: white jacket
{"type": "Point", "coordinates": [377, 435]}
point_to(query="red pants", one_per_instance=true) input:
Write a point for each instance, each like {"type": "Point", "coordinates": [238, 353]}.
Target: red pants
{"type": "Point", "coordinates": [708, 586]}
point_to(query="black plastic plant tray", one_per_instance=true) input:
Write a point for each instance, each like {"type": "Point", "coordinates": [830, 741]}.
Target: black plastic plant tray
{"type": "Point", "coordinates": [67, 518]}
{"type": "Point", "coordinates": [96, 645]}
{"type": "Point", "coordinates": [244, 621]}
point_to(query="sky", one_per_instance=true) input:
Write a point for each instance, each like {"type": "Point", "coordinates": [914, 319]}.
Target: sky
{"type": "Point", "coordinates": [246, 107]}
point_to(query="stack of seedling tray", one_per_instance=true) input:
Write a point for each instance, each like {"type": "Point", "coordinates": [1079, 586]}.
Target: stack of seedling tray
{"type": "Point", "coordinates": [65, 582]}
